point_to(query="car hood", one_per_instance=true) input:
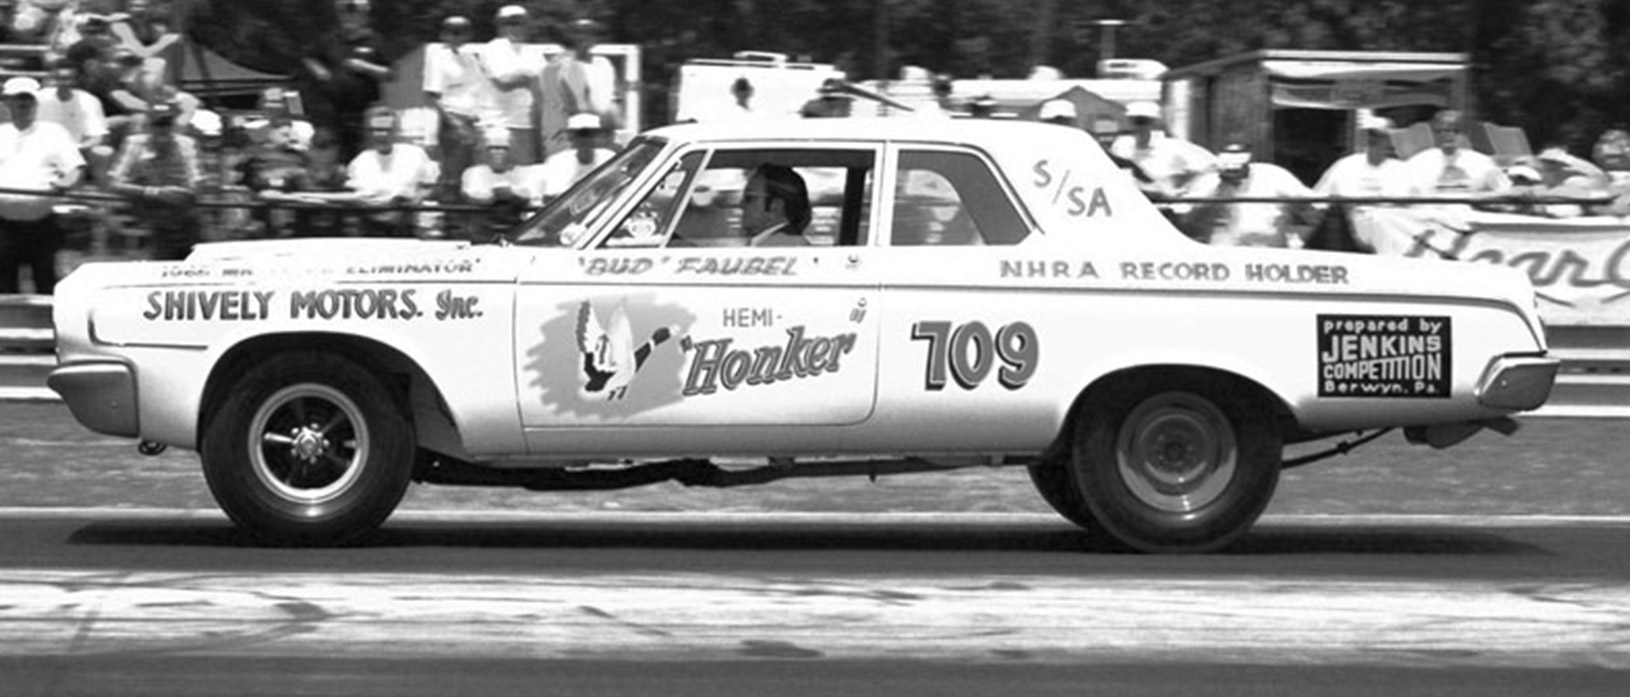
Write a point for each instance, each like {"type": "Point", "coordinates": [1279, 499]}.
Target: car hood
{"type": "Point", "coordinates": [348, 248]}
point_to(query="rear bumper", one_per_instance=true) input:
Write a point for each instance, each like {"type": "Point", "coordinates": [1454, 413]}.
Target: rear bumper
{"type": "Point", "coordinates": [102, 396]}
{"type": "Point", "coordinates": [1517, 383]}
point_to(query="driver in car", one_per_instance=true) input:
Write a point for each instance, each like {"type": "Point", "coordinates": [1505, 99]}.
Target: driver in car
{"type": "Point", "coordinates": [775, 208]}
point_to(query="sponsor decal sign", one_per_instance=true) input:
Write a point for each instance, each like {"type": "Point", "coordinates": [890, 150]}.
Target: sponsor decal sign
{"type": "Point", "coordinates": [1400, 356]}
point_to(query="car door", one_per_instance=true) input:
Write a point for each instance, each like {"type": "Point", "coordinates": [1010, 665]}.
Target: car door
{"type": "Point", "coordinates": [965, 352]}
{"type": "Point", "coordinates": [669, 320]}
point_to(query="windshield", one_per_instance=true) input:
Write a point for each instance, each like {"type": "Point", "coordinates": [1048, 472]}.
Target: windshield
{"type": "Point", "coordinates": [579, 210]}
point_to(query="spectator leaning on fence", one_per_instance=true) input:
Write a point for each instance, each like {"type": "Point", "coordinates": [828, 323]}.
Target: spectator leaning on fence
{"type": "Point", "coordinates": [1247, 224]}
{"type": "Point", "coordinates": [1170, 162]}
{"type": "Point", "coordinates": [34, 156]}
{"type": "Point", "coordinates": [390, 174]}
{"type": "Point", "coordinates": [588, 151]}
{"type": "Point", "coordinates": [1451, 168]}
{"type": "Point", "coordinates": [159, 170]}
{"type": "Point", "coordinates": [1372, 172]}
{"type": "Point", "coordinates": [498, 186]}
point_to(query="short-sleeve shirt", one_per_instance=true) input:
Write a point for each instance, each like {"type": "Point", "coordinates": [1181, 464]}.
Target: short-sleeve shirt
{"type": "Point", "coordinates": [1466, 171]}
{"type": "Point", "coordinates": [503, 59]}
{"type": "Point", "coordinates": [33, 159]}
{"type": "Point", "coordinates": [456, 75]}
{"type": "Point", "coordinates": [81, 113]}
{"type": "Point", "coordinates": [1166, 159]}
{"type": "Point", "coordinates": [562, 169]}
{"type": "Point", "coordinates": [1354, 177]}
{"type": "Point", "coordinates": [379, 178]}
{"type": "Point", "coordinates": [479, 181]}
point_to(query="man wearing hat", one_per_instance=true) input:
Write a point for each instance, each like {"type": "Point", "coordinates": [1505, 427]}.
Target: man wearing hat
{"type": "Point", "coordinates": [1556, 172]}
{"type": "Point", "coordinates": [159, 170]}
{"type": "Point", "coordinates": [34, 156]}
{"type": "Point", "coordinates": [512, 78]}
{"type": "Point", "coordinates": [831, 101]}
{"type": "Point", "coordinates": [1169, 162]}
{"type": "Point", "coordinates": [496, 184]}
{"type": "Point", "coordinates": [455, 87]}
{"type": "Point", "coordinates": [1372, 172]}
{"type": "Point", "coordinates": [1451, 169]}
{"type": "Point", "coordinates": [1246, 224]}
{"type": "Point", "coordinates": [564, 168]}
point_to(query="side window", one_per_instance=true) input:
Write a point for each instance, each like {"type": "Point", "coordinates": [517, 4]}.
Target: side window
{"type": "Point", "coordinates": [837, 184]}
{"type": "Point", "coordinates": [952, 199]}
{"type": "Point", "coordinates": [648, 224]}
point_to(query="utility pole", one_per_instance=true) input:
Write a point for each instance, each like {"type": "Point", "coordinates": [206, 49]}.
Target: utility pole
{"type": "Point", "coordinates": [1106, 42]}
{"type": "Point", "coordinates": [1041, 35]}
{"type": "Point", "coordinates": [880, 40]}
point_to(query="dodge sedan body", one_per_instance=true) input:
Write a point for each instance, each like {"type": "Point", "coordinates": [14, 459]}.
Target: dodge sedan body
{"type": "Point", "coordinates": [967, 293]}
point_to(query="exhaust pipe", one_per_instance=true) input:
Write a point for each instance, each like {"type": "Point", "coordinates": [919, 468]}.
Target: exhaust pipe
{"type": "Point", "coordinates": [149, 448]}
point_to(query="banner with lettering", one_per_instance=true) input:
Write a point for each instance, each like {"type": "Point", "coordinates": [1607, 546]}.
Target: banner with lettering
{"type": "Point", "coordinates": [1580, 266]}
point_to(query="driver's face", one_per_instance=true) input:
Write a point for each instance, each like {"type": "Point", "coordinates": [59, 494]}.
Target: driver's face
{"type": "Point", "coordinates": [756, 213]}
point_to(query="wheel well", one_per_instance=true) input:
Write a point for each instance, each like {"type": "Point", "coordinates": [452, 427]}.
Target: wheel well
{"type": "Point", "coordinates": [1170, 376]}
{"type": "Point", "coordinates": [401, 374]}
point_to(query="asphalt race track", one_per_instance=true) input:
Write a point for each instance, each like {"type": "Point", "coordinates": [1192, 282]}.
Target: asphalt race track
{"type": "Point", "coordinates": [131, 599]}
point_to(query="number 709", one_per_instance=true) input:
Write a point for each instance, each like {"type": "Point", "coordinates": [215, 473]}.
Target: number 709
{"type": "Point", "coordinates": [967, 353]}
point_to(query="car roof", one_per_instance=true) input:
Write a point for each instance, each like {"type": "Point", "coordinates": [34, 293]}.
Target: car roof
{"type": "Point", "coordinates": [982, 132]}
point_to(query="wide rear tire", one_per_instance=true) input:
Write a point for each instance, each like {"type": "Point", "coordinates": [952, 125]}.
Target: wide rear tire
{"type": "Point", "coordinates": [1176, 470]}
{"type": "Point", "coordinates": [308, 449]}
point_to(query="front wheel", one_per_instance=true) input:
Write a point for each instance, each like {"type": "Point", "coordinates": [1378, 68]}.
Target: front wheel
{"type": "Point", "coordinates": [308, 449]}
{"type": "Point", "coordinates": [1184, 470]}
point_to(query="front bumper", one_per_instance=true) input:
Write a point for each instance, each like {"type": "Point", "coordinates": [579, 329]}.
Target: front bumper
{"type": "Point", "coordinates": [102, 396]}
{"type": "Point", "coordinates": [1517, 383]}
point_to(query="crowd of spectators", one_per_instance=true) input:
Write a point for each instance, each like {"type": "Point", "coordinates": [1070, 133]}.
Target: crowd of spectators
{"type": "Point", "coordinates": [513, 129]}
{"type": "Point", "coordinates": [116, 144]}
{"type": "Point", "coordinates": [1199, 189]}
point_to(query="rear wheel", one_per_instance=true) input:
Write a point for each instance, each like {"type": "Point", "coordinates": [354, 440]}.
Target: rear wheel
{"type": "Point", "coordinates": [1183, 470]}
{"type": "Point", "coordinates": [308, 449]}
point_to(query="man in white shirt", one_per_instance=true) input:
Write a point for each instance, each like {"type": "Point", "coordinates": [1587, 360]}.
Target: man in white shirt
{"type": "Point", "coordinates": [34, 156]}
{"type": "Point", "coordinates": [78, 111]}
{"type": "Point", "coordinates": [497, 185]}
{"type": "Point", "coordinates": [390, 173]}
{"type": "Point", "coordinates": [1451, 169]}
{"type": "Point", "coordinates": [455, 87]}
{"type": "Point", "coordinates": [564, 168]}
{"type": "Point", "coordinates": [1169, 162]}
{"type": "Point", "coordinates": [1247, 224]}
{"type": "Point", "coordinates": [1372, 172]}
{"type": "Point", "coordinates": [513, 78]}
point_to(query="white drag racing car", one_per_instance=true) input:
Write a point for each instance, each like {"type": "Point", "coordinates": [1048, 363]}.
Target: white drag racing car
{"type": "Point", "coordinates": [970, 293]}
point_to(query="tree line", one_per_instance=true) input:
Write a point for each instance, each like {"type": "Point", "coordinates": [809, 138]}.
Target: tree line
{"type": "Point", "coordinates": [1558, 68]}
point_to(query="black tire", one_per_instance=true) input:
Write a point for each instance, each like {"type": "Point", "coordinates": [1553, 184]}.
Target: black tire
{"type": "Point", "coordinates": [308, 449]}
{"type": "Point", "coordinates": [1178, 470]}
{"type": "Point", "coordinates": [1057, 488]}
